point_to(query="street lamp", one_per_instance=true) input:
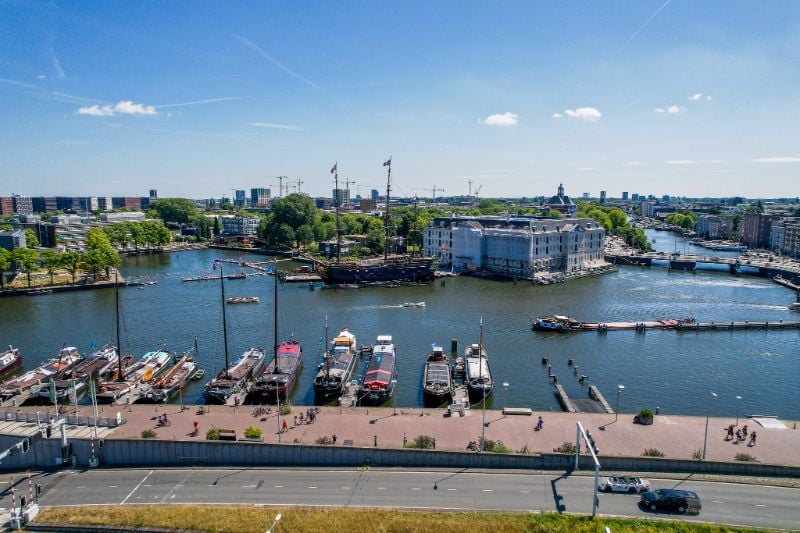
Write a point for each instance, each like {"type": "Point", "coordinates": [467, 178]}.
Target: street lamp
{"type": "Point", "coordinates": [620, 388]}
{"type": "Point", "coordinates": [394, 382]}
{"type": "Point", "coordinates": [275, 523]}
{"type": "Point", "coordinates": [705, 439]}
{"type": "Point", "coordinates": [737, 409]}
{"type": "Point", "coordinates": [505, 396]}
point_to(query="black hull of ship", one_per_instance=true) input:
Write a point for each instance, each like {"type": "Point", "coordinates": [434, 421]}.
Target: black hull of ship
{"type": "Point", "coordinates": [418, 270]}
{"type": "Point", "coordinates": [375, 397]}
{"type": "Point", "coordinates": [324, 393]}
{"type": "Point", "coordinates": [435, 399]}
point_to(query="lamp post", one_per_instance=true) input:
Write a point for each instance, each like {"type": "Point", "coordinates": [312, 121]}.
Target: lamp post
{"type": "Point", "coordinates": [394, 409]}
{"type": "Point", "coordinates": [737, 409]}
{"type": "Point", "coordinates": [505, 396]}
{"type": "Point", "coordinates": [275, 523]}
{"type": "Point", "coordinates": [705, 439]}
{"type": "Point", "coordinates": [620, 388]}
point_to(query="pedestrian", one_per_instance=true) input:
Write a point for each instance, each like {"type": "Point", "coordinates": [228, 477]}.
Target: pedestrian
{"type": "Point", "coordinates": [744, 431]}
{"type": "Point", "coordinates": [160, 421]}
{"type": "Point", "coordinates": [752, 439]}
{"type": "Point", "coordinates": [738, 436]}
{"type": "Point", "coordinates": [334, 438]}
{"type": "Point", "coordinates": [295, 420]}
{"type": "Point", "coordinates": [539, 424]}
{"type": "Point", "coordinates": [301, 417]}
{"type": "Point", "coordinates": [196, 427]}
{"type": "Point", "coordinates": [285, 426]}
{"type": "Point", "coordinates": [730, 433]}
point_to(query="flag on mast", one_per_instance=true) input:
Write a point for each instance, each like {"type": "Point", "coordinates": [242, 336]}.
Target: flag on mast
{"type": "Point", "coordinates": [333, 169]}
{"type": "Point", "coordinates": [388, 163]}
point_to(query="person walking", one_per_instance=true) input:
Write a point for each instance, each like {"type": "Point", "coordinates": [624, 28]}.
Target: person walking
{"type": "Point", "coordinates": [739, 437]}
{"type": "Point", "coordinates": [539, 424]}
{"type": "Point", "coordinates": [744, 431]}
{"type": "Point", "coordinates": [752, 439]}
{"type": "Point", "coordinates": [196, 427]}
{"type": "Point", "coordinates": [730, 433]}
{"type": "Point", "coordinates": [285, 426]}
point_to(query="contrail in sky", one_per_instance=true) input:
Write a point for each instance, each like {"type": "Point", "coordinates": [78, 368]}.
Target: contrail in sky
{"type": "Point", "coordinates": [263, 53]}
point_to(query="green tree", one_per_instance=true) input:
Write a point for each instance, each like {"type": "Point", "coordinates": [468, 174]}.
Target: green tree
{"type": "Point", "coordinates": [304, 234]}
{"type": "Point", "coordinates": [217, 227]}
{"type": "Point", "coordinates": [27, 260]}
{"type": "Point", "coordinates": [294, 210]}
{"type": "Point", "coordinates": [100, 254]}
{"type": "Point", "coordinates": [72, 263]}
{"type": "Point", "coordinates": [31, 240]}
{"type": "Point", "coordinates": [155, 233]}
{"type": "Point", "coordinates": [52, 262]}
{"type": "Point", "coordinates": [177, 210]}
{"type": "Point", "coordinates": [5, 264]}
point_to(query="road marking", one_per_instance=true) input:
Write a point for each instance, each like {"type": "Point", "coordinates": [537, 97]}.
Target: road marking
{"type": "Point", "coordinates": [525, 491]}
{"type": "Point", "coordinates": [81, 487]}
{"type": "Point", "coordinates": [381, 488]}
{"type": "Point", "coordinates": [452, 489]}
{"type": "Point", "coordinates": [278, 486]}
{"type": "Point", "coordinates": [248, 486]}
{"type": "Point", "coordinates": [345, 488]}
{"type": "Point", "coordinates": [136, 488]}
{"type": "Point", "coordinates": [147, 485]}
{"type": "Point", "coordinates": [488, 490]}
{"type": "Point", "coordinates": [312, 487]}
{"type": "Point", "coordinates": [715, 501]}
{"type": "Point", "coordinates": [760, 505]}
{"type": "Point", "coordinates": [415, 488]}
{"type": "Point", "coordinates": [113, 486]}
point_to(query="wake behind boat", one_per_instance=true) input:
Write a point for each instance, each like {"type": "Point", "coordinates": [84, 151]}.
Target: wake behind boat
{"type": "Point", "coordinates": [378, 382]}
{"type": "Point", "coordinates": [337, 368]}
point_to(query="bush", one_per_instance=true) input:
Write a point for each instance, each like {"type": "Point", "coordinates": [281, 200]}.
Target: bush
{"type": "Point", "coordinates": [697, 455]}
{"type": "Point", "coordinates": [653, 452]}
{"type": "Point", "coordinates": [148, 434]}
{"type": "Point", "coordinates": [422, 442]}
{"type": "Point", "coordinates": [286, 408]}
{"type": "Point", "coordinates": [324, 441]}
{"type": "Point", "coordinates": [212, 434]}
{"type": "Point", "coordinates": [566, 447]}
{"type": "Point", "coordinates": [645, 413]}
{"type": "Point", "coordinates": [745, 458]}
{"type": "Point", "coordinates": [252, 432]}
{"type": "Point", "coordinates": [495, 446]}
{"type": "Point", "coordinates": [524, 450]}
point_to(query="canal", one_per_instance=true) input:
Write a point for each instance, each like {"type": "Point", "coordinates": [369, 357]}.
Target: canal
{"type": "Point", "coordinates": [674, 371]}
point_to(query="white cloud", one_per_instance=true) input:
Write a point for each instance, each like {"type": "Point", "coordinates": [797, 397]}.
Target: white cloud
{"type": "Point", "coordinates": [123, 107]}
{"type": "Point", "coordinates": [272, 125]}
{"type": "Point", "coordinates": [584, 113]}
{"type": "Point", "coordinates": [659, 110]}
{"type": "Point", "coordinates": [779, 159]}
{"type": "Point", "coordinates": [501, 119]}
{"type": "Point", "coordinates": [41, 76]}
{"type": "Point", "coordinates": [675, 109]}
{"type": "Point", "coordinates": [556, 115]}
{"type": "Point", "coordinates": [708, 98]}
{"type": "Point", "coordinates": [696, 97]}
{"type": "Point", "coordinates": [680, 162]}
{"type": "Point", "coordinates": [634, 163]}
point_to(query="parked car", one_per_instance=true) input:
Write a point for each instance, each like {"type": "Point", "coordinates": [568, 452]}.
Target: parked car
{"type": "Point", "coordinates": [629, 484]}
{"type": "Point", "coordinates": [682, 501]}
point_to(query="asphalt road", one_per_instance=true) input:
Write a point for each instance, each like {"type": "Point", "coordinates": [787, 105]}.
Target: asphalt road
{"type": "Point", "coordinates": [724, 503]}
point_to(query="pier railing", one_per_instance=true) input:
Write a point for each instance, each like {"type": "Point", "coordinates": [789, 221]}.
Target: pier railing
{"type": "Point", "coordinates": [71, 420]}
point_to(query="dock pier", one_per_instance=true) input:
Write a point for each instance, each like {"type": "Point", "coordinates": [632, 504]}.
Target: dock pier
{"type": "Point", "coordinates": [349, 397]}
{"type": "Point", "coordinates": [564, 400]}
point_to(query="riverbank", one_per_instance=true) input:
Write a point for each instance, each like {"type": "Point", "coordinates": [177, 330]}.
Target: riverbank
{"type": "Point", "coordinates": [102, 282]}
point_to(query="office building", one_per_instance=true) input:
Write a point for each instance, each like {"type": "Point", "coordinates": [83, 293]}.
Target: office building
{"type": "Point", "coordinates": [12, 239]}
{"type": "Point", "coordinates": [239, 198]}
{"type": "Point", "coordinates": [259, 197]}
{"type": "Point", "coordinates": [624, 196]}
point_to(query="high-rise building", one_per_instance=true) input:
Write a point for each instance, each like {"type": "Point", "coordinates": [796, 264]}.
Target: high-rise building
{"type": "Point", "coordinates": [259, 197]}
{"type": "Point", "coordinates": [6, 205]}
{"type": "Point", "coordinates": [134, 203]}
{"type": "Point", "coordinates": [341, 197]}
{"type": "Point", "coordinates": [635, 197]}
{"type": "Point", "coordinates": [602, 197]}
{"type": "Point", "coordinates": [625, 195]}
{"type": "Point", "coordinates": [104, 203]}
{"type": "Point", "coordinates": [755, 232]}
{"type": "Point", "coordinates": [586, 196]}
{"type": "Point", "coordinates": [375, 196]}
{"type": "Point", "coordinates": [153, 194]}
{"type": "Point", "coordinates": [239, 198]}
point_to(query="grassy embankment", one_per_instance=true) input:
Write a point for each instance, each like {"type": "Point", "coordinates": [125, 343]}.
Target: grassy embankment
{"type": "Point", "coordinates": [297, 520]}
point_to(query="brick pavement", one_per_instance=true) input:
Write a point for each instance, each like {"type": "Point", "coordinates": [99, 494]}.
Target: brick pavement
{"type": "Point", "coordinates": [677, 436]}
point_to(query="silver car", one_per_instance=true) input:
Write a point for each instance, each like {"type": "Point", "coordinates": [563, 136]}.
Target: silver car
{"type": "Point", "coordinates": [628, 484]}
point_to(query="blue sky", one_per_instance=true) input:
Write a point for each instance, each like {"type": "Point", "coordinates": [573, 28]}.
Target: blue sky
{"type": "Point", "coordinates": [196, 98]}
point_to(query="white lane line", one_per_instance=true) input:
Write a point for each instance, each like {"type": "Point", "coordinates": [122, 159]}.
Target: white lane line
{"type": "Point", "coordinates": [136, 488]}
{"type": "Point", "coordinates": [488, 490]}
{"type": "Point", "coordinates": [760, 505]}
{"type": "Point", "coordinates": [716, 501]}
{"type": "Point", "coordinates": [415, 488]}
{"type": "Point", "coordinates": [278, 486]}
{"type": "Point", "coordinates": [312, 487]}
{"type": "Point", "coordinates": [81, 487]}
{"type": "Point", "coordinates": [147, 485]}
{"type": "Point", "coordinates": [248, 486]}
{"type": "Point", "coordinates": [113, 486]}
{"type": "Point", "coordinates": [525, 491]}
{"type": "Point", "coordinates": [345, 488]}
{"type": "Point", "coordinates": [452, 489]}
{"type": "Point", "coordinates": [381, 488]}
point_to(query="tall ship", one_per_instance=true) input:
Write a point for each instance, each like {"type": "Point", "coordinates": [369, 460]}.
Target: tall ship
{"type": "Point", "coordinates": [10, 360]}
{"type": "Point", "coordinates": [232, 379]}
{"type": "Point", "coordinates": [479, 375]}
{"type": "Point", "coordinates": [51, 369]}
{"type": "Point", "coordinates": [275, 381]}
{"type": "Point", "coordinates": [378, 382]}
{"type": "Point", "coordinates": [380, 269]}
{"type": "Point", "coordinates": [437, 381]}
{"type": "Point", "coordinates": [73, 383]}
{"type": "Point", "coordinates": [171, 383]}
{"type": "Point", "coordinates": [133, 376]}
{"type": "Point", "coordinates": [336, 370]}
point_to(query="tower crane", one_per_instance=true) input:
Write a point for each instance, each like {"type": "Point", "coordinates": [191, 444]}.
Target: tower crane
{"type": "Point", "coordinates": [434, 189]}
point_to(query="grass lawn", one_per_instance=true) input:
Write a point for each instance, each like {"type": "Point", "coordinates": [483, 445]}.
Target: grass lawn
{"type": "Point", "coordinates": [298, 519]}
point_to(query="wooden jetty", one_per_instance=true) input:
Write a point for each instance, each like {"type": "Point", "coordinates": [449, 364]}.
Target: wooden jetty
{"type": "Point", "coordinates": [349, 396]}
{"type": "Point", "coordinates": [564, 400]}
{"type": "Point", "coordinates": [730, 326]}
{"type": "Point", "coordinates": [241, 275]}
{"type": "Point", "coordinates": [596, 395]}
{"type": "Point", "coordinates": [300, 278]}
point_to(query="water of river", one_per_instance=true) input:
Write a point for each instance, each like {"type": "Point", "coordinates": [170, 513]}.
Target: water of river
{"type": "Point", "coordinates": [675, 371]}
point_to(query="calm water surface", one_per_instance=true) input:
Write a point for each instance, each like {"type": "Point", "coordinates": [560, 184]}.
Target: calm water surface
{"type": "Point", "coordinates": [675, 371]}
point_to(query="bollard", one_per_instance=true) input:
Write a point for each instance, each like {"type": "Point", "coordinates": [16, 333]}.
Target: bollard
{"type": "Point", "coordinates": [376, 440]}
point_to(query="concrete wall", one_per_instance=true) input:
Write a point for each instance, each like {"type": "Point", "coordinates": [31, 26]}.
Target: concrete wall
{"type": "Point", "coordinates": [120, 453]}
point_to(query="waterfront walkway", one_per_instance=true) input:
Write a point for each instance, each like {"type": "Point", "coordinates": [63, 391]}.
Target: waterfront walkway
{"type": "Point", "coordinates": [678, 437]}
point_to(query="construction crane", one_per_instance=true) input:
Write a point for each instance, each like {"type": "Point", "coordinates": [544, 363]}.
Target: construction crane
{"type": "Point", "coordinates": [299, 182]}
{"type": "Point", "coordinates": [280, 185]}
{"type": "Point", "coordinates": [347, 182]}
{"type": "Point", "coordinates": [434, 189]}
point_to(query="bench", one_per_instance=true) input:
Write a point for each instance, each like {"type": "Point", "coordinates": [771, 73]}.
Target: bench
{"type": "Point", "coordinates": [524, 411]}
{"type": "Point", "coordinates": [227, 434]}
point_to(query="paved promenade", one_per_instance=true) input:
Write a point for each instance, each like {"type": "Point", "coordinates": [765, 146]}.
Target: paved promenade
{"type": "Point", "coordinates": [678, 437]}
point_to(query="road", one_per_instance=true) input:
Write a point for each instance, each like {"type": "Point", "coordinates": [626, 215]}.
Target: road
{"type": "Point", "coordinates": [725, 503]}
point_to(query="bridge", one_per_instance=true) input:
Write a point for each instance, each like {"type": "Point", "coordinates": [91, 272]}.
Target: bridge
{"type": "Point", "coordinates": [785, 269]}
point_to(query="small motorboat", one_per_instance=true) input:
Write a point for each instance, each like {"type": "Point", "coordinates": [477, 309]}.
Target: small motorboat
{"type": "Point", "coordinates": [794, 307]}
{"type": "Point", "coordinates": [414, 304]}
{"type": "Point", "coordinates": [199, 374]}
{"type": "Point", "coordinates": [243, 300]}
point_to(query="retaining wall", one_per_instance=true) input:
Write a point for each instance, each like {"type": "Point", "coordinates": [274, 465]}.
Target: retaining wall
{"type": "Point", "coordinates": [121, 453]}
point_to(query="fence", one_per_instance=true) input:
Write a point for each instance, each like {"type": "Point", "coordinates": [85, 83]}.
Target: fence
{"type": "Point", "coordinates": [72, 420]}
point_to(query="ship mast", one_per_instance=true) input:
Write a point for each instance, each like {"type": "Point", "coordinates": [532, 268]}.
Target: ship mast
{"type": "Point", "coordinates": [275, 321]}
{"type": "Point", "coordinates": [336, 201]}
{"type": "Point", "coordinates": [327, 360]}
{"type": "Point", "coordinates": [224, 319]}
{"type": "Point", "coordinates": [386, 214]}
{"type": "Point", "coordinates": [121, 373]}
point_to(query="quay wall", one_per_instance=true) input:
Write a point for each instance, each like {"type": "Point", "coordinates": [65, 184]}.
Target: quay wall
{"type": "Point", "coordinates": [46, 453]}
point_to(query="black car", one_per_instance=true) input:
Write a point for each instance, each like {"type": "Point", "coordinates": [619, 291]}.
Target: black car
{"type": "Point", "coordinates": [682, 501]}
